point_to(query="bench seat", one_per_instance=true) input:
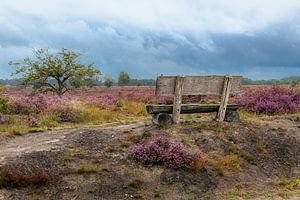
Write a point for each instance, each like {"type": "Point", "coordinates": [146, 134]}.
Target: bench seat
{"type": "Point", "coordinates": [188, 108]}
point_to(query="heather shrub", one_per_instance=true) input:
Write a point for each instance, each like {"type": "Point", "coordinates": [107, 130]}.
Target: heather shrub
{"type": "Point", "coordinates": [29, 105]}
{"type": "Point", "coordinates": [21, 176]}
{"type": "Point", "coordinates": [66, 114]}
{"type": "Point", "coordinates": [270, 100]}
{"type": "Point", "coordinates": [161, 151]}
{"type": "Point", "coordinates": [37, 104]}
{"type": "Point", "coordinates": [33, 122]}
{"type": "Point", "coordinates": [164, 100]}
{"type": "Point", "coordinates": [102, 100]}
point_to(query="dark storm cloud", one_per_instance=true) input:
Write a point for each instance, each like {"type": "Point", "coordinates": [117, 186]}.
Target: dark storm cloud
{"type": "Point", "coordinates": [258, 49]}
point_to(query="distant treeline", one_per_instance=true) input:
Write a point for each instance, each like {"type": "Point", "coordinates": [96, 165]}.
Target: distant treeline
{"type": "Point", "coordinates": [287, 80]}
{"type": "Point", "coordinates": [132, 82]}
{"type": "Point", "coordinates": [151, 82]}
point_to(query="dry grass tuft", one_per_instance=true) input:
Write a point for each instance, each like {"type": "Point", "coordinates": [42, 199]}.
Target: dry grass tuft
{"type": "Point", "coordinates": [230, 163]}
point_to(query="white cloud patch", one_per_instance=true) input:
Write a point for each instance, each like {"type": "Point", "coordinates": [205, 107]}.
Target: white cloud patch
{"type": "Point", "coordinates": [149, 37]}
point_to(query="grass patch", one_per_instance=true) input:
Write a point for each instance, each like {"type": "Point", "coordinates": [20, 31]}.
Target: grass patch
{"type": "Point", "coordinates": [221, 164]}
{"type": "Point", "coordinates": [86, 170]}
{"type": "Point", "coordinates": [235, 149]}
{"type": "Point", "coordinates": [157, 194]}
{"type": "Point", "coordinates": [261, 146]}
{"type": "Point", "coordinates": [72, 152]}
{"type": "Point", "coordinates": [86, 116]}
{"type": "Point", "coordinates": [136, 184]}
{"type": "Point", "coordinates": [288, 184]}
{"type": "Point", "coordinates": [18, 129]}
{"type": "Point", "coordinates": [86, 113]}
{"type": "Point", "coordinates": [49, 121]}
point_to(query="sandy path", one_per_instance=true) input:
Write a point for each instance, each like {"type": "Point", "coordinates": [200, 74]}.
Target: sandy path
{"type": "Point", "coordinates": [51, 140]}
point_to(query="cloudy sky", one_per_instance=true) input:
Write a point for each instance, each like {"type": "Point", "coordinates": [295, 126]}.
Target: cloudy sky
{"type": "Point", "coordinates": [254, 38]}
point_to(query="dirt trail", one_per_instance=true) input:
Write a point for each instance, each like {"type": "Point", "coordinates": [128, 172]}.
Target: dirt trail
{"type": "Point", "coordinates": [52, 140]}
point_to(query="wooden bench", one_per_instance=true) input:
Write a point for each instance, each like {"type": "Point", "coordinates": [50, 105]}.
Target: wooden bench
{"type": "Point", "coordinates": [177, 86]}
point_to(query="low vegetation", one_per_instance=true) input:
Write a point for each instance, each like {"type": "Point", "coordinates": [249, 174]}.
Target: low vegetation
{"type": "Point", "coordinates": [270, 100]}
{"type": "Point", "coordinates": [12, 176]}
{"type": "Point", "coordinates": [86, 170]}
{"type": "Point", "coordinates": [39, 112]}
{"type": "Point", "coordinates": [160, 150]}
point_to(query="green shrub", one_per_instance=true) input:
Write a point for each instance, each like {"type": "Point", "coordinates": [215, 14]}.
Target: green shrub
{"type": "Point", "coordinates": [86, 170]}
{"type": "Point", "coordinates": [136, 183]}
{"type": "Point", "coordinates": [49, 121]}
{"type": "Point", "coordinates": [4, 104]}
{"type": "Point", "coordinates": [10, 119]}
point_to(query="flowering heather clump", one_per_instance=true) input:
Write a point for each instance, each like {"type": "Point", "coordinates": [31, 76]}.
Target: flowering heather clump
{"type": "Point", "coordinates": [161, 151]}
{"type": "Point", "coordinates": [33, 104]}
{"type": "Point", "coordinates": [33, 122]}
{"type": "Point", "coordinates": [66, 114]}
{"type": "Point", "coordinates": [164, 100]}
{"type": "Point", "coordinates": [102, 100]}
{"type": "Point", "coordinates": [270, 100]}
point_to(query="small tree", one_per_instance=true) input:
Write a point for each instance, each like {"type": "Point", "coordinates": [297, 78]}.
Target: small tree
{"type": "Point", "coordinates": [124, 78]}
{"type": "Point", "coordinates": [108, 80]}
{"type": "Point", "coordinates": [55, 72]}
{"type": "Point", "coordinates": [138, 81]}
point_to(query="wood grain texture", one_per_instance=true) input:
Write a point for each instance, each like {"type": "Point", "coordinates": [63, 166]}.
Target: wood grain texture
{"type": "Point", "coordinates": [177, 99]}
{"type": "Point", "coordinates": [188, 108]}
{"type": "Point", "coordinates": [196, 85]}
{"type": "Point", "coordinates": [224, 98]}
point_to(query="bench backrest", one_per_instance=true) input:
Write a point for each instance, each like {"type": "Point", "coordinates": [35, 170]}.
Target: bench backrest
{"type": "Point", "coordinates": [196, 85]}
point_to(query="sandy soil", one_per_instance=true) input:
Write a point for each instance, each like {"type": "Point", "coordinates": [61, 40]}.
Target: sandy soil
{"type": "Point", "coordinates": [267, 151]}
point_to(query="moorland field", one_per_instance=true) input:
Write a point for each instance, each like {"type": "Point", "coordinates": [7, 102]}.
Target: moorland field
{"type": "Point", "coordinates": [99, 143]}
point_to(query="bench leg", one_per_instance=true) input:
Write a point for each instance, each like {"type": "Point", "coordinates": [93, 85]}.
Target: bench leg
{"type": "Point", "coordinates": [224, 99]}
{"type": "Point", "coordinates": [177, 99]}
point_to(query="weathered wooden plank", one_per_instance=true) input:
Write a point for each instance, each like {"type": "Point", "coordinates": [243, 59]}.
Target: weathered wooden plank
{"type": "Point", "coordinates": [224, 98]}
{"type": "Point", "coordinates": [188, 108]}
{"type": "Point", "coordinates": [177, 99]}
{"type": "Point", "coordinates": [195, 85]}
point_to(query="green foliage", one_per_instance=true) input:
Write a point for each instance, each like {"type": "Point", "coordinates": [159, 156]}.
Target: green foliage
{"type": "Point", "coordinates": [288, 184]}
{"type": "Point", "coordinates": [124, 78]}
{"type": "Point", "coordinates": [108, 80]}
{"type": "Point", "coordinates": [49, 120]}
{"type": "Point", "coordinates": [136, 183]}
{"type": "Point", "coordinates": [157, 194]}
{"type": "Point", "coordinates": [138, 81]}
{"type": "Point", "coordinates": [86, 170]}
{"type": "Point", "coordinates": [4, 104]}
{"type": "Point", "coordinates": [55, 72]}
{"type": "Point", "coordinates": [11, 119]}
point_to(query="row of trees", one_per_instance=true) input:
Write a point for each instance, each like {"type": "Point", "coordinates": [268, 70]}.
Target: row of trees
{"type": "Point", "coordinates": [59, 71]}
{"type": "Point", "coordinates": [123, 79]}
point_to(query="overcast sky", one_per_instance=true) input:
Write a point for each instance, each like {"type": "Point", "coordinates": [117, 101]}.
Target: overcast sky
{"type": "Point", "coordinates": [254, 38]}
